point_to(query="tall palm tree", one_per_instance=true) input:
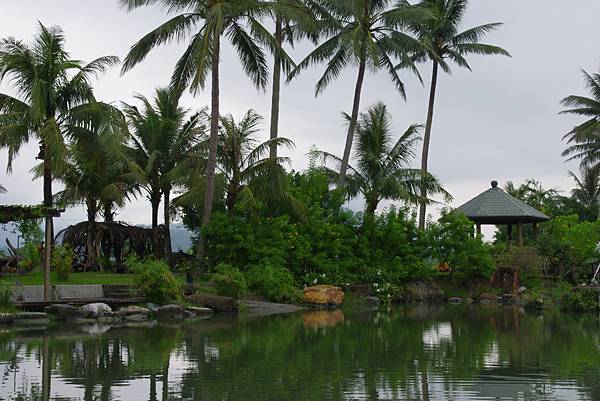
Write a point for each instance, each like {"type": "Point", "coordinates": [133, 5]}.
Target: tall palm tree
{"type": "Point", "coordinates": [49, 85]}
{"type": "Point", "coordinates": [208, 21]}
{"type": "Point", "coordinates": [584, 139]}
{"type": "Point", "coordinates": [97, 172]}
{"type": "Point", "coordinates": [446, 44]}
{"type": "Point", "coordinates": [537, 195]}
{"type": "Point", "coordinates": [361, 33]}
{"type": "Point", "coordinates": [163, 135]}
{"type": "Point", "coordinates": [294, 20]}
{"type": "Point", "coordinates": [587, 191]}
{"type": "Point", "coordinates": [383, 165]}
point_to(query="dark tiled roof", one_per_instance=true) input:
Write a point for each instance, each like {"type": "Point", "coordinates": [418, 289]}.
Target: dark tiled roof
{"type": "Point", "coordinates": [496, 206]}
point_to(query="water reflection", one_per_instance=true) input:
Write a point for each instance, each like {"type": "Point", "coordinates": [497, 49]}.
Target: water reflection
{"type": "Point", "coordinates": [420, 352]}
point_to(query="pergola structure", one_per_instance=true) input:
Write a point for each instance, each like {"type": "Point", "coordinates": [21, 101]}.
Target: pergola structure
{"type": "Point", "coordinates": [10, 213]}
{"type": "Point", "coordinates": [496, 207]}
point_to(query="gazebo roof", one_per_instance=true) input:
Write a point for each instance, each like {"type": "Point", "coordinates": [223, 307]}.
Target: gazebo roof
{"type": "Point", "coordinates": [495, 206]}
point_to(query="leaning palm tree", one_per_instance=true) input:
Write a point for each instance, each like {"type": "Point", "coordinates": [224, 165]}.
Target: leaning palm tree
{"type": "Point", "coordinates": [383, 169]}
{"type": "Point", "coordinates": [98, 172]}
{"type": "Point", "coordinates": [584, 139]}
{"type": "Point", "coordinates": [49, 85]}
{"type": "Point", "coordinates": [587, 191]}
{"type": "Point", "coordinates": [208, 21]}
{"type": "Point", "coordinates": [446, 44]}
{"type": "Point", "coordinates": [163, 134]}
{"type": "Point", "coordinates": [361, 33]}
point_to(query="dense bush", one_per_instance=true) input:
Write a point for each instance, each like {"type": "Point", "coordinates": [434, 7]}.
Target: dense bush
{"type": "Point", "coordinates": [583, 299]}
{"type": "Point", "coordinates": [275, 283]}
{"type": "Point", "coordinates": [62, 261]}
{"type": "Point", "coordinates": [229, 281]}
{"type": "Point", "coordinates": [452, 240]}
{"type": "Point", "coordinates": [31, 257]}
{"type": "Point", "coordinates": [155, 280]}
{"type": "Point", "coordinates": [6, 303]}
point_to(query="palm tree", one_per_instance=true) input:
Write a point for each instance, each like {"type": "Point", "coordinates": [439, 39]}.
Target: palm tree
{"type": "Point", "coordinates": [587, 191]}
{"type": "Point", "coordinates": [444, 44]}
{"type": "Point", "coordinates": [584, 139]}
{"type": "Point", "coordinates": [49, 85]}
{"type": "Point", "coordinates": [242, 159]}
{"type": "Point", "coordinates": [538, 196]}
{"type": "Point", "coordinates": [383, 165]}
{"type": "Point", "coordinates": [163, 135]}
{"type": "Point", "coordinates": [294, 20]}
{"type": "Point", "coordinates": [361, 33]}
{"type": "Point", "coordinates": [210, 20]}
{"type": "Point", "coordinates": [98, 172]}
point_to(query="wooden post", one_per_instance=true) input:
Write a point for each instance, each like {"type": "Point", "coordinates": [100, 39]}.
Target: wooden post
{"type": "Point", "coordinates": [520, 234]}
{"type": "Point", "coordinates": [510, 235]}
{"type": "Point", "coordinates": [478, 229]}
{"type": "Point", "coordinates": [535, 230]}
{"type": "Point", "coordinates": [47, 258]}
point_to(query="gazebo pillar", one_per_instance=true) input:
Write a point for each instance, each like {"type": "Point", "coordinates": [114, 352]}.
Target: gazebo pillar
{"type": "Point", "coordinates": [510, 234]}
{"type": "Point", "coordinates": [535, 230]}
{"type": "Point", "coordinates": [478, 229]}
{"type": "Point", "coordinates": [520, 234]}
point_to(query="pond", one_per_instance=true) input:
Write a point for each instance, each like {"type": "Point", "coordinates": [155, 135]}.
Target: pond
{"type": "Point", "coordinates": [418, 352]}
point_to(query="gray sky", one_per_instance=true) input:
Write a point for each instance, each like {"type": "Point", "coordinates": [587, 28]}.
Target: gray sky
{"type": "Point", "coordinates": [498, 122]}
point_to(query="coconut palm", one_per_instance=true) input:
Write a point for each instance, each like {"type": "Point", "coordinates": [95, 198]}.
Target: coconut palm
{"type": "Point", "coordinates": [163, 134]}
{"type": "Point", "coordinates": [98, 172]}
{"type": "Point", "coordinates": [587, 192]}
{"type": "Point", "coordinates": [205, 23]}
{"type": "Point", "coordinates": [383, 169]}
{"type": "Point", "coordinates": [584, 139]}
{"type": "Point", "coordinates": [361, 33]}
{"type": "Point", "coordinates": [446, 44]}
{"type": "Point", "coordinates": [49, 86]}
{"type": "Point", "coordinates": [294, 20]}
{"type": "Point", "coordinates": [242, 159]}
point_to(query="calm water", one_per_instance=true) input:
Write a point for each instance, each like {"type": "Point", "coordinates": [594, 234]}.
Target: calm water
{"type": "Point", "coordinates": [413, 353]}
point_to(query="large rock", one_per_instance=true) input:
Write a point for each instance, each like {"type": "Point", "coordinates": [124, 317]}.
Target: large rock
{"type": "Point", "coordinates": [488, 299]}
{"type": "Point", "coordinates": [94, 311]}
{"type": "Point", "coordinates": [171, 313]}
{"type": "Point", "coordinates": [134, 310]}
{"type": "Point", "coordinates": [423, 291]}
{"type": "Point", "coordinates": [214, 302]}
{"type": "Point", "coordinates": [64, 312]}
{"type": "Point", "coordinates": [323, 295]}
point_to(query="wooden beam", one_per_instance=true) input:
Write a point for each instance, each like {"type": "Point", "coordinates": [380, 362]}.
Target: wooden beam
{"type": "Point", "coordinates": [520, 234]}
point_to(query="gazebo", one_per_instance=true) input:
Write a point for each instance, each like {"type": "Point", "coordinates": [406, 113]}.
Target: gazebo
{"type": "Point", "coordinates": [496, 207]}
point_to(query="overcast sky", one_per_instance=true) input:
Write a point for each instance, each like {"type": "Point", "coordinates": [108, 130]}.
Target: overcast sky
{"type": "Point", "coordinates": [499, 121]}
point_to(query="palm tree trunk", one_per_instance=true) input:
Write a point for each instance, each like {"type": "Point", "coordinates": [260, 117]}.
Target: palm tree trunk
{"type": "Point", "coordinates": [167, 217]}
{"type": "Point", "coordinates": [155, 202]}
{"type": "Point", "coordinates": [426, 140]}
{"type": "Point", "coordinates": [276, 87]}
{"type": "Point", "coordinates": [91, 235]}
{"type": "Point", "coordinates": [49, 226]}
{"type": "Point", "coordinates": [212, 154]}
{"type": "Point", "coordinates": [352, 125]}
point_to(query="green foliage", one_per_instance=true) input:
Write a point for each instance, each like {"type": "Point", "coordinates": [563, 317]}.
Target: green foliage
{"type": "Point", "coordinates": [62, 261]}
{"type": "Point", "coordinates": [6, 303]}
{"type": "Point", "coordinates": [568, 243]}
{"type": "Point", "coordinates": [229, 281]}
{"type": "Point", "coordinates": [155, 280]}
{"type": "Point", "coordinates": [31, 257]}
{"type": "Point", "coordinates": [273, 282]}
{"type": "Point", "coordinates": [452, 240]}
{"type": "Point", "coordinates": [583, 299]}
{"type": "Point", "coordinates": [30, 230]}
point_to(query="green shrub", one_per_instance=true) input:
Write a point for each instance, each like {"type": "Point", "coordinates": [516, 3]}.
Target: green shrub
{"type": "Point", "coordinates": [583, 299]}
{"type": "Point", "coordinates": [274, 283]}
{"type": "Point", "coordinates": [229, 281]}
{"type": "Point", "coordinates": [6, 303]}
{"type": "Point", "coordinates": [62, 261]}
{"type": "Point", "coordinates": [31, 257]}
{"type": "Point", "coordinates": [452, 240]}
{"type": "Point", "coordinates": [155, 280]}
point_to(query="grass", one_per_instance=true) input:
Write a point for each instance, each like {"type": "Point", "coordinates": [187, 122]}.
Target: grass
{"type": "Point", "coordinates": [86, 278]}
